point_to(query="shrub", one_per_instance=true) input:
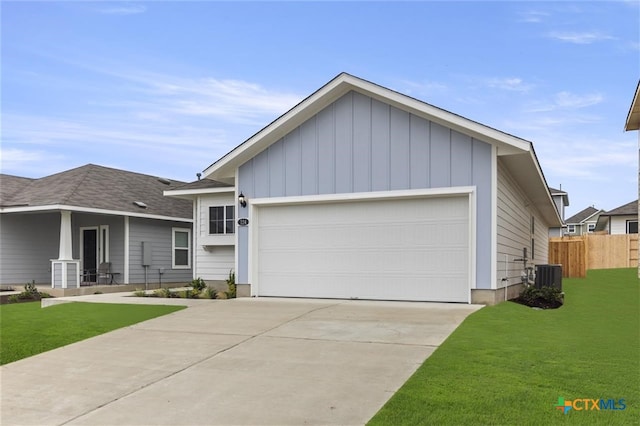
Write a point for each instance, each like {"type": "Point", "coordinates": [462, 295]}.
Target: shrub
{"type": "Point", "coordinates": [163, 292]}
{"type": "Point", "coordinates": [139, 293]}
{"type": "Point", "coordinates": [546, 297]}
{"type": "Point", "coordinates": [231, 283]}
{"type": "Point", "coordinates": [30, 293]}
{"type": "Point", "coordinates": [209, 293]}
{"type": "Point", "coordinates": [198, 284]}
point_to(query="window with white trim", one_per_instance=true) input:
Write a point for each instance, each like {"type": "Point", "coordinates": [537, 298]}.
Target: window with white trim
{"type": "Point", "coordinates": [571, 229]}
{"type": "Point", "coordinates": [632, 227]}
{"type": "Point", "coordinates": [591, 227]}
{"type": "Point", "coordinates": [222, 220]}
{"type": "Point", "coordinates": [181, 248]}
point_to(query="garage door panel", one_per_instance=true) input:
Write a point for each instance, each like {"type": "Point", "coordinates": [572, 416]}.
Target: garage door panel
{"type": "Point", "coordinates": [409, 249]}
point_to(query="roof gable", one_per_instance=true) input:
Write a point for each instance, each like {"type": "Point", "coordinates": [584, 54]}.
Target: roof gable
{"type": "Point", "coordinates": [583, 215]}
{"type": "Point", "coordinates": [102, 188]}
{"type": "Point", "coordinates": [224, 168]}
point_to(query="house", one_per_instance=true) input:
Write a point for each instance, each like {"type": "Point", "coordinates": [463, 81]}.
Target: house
{"type": "Point", "coordinates": [561, 200]}
{"type": "Point", "coordinates": [633, 123]}
{"type": "Point", "coordinates": [583, 222]}
{"type": "Point", "coordinates": [58, 229]}
{"type": "Point", "coordinates": [621, 220]}
{"type": "Point", "coordinates": [360, 192]}
{"type": "Point", "coordinates": [214, 228]}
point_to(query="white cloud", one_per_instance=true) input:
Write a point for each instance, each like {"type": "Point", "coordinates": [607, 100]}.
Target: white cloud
{"type": "Point", "coordinates": [566, 101]}
{"type": "Point", "coordinates": [533, 16]}
{"type": "Point", "coordinates": [579, 37]}
{"type": "Point", "coordinates": [511, 83]}
{"type": "Point", "coordinates": [124, 9]}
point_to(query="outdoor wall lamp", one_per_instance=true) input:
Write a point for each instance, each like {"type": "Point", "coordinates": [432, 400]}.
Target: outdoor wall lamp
{"type": "Point", "coordinates": [242, 200]}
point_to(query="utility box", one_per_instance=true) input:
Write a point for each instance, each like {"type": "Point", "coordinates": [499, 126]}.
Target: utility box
{"type": "Point", "coordinates": [549, 276]}
{"type": "Point", "coordinates": [146, 253]}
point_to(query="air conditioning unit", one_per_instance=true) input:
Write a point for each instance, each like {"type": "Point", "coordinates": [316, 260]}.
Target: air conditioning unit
{"type": "Point", "coordinates": [549, 276]}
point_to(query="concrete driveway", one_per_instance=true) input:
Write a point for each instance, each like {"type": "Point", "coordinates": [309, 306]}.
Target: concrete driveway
{"type": "Point", "coordinates": [237, 362]}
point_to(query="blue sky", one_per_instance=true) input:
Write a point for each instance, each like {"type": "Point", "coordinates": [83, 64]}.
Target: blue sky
{"type": "Point", "coordinates": [166, 88]}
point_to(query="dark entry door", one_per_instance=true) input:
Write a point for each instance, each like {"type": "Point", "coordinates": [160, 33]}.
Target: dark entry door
{"type": "Point", "coordinates": [90, 254]}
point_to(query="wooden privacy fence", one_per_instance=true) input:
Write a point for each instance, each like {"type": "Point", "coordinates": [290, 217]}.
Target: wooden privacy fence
{"type": "Point", "coordinates": [592, 251]}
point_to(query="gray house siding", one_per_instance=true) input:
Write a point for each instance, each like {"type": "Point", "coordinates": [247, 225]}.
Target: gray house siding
{"type": "Point", "coordinates": [159, 234]}
{"type": "Point", "coordinates": [22, 259]}
{"type": "Point", "coordinates": [514, 226]}
{"type": "Point", "coordinates": [358, 144]}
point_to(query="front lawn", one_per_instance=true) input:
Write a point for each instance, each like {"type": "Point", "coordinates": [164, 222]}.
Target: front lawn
{"type": "Point", "coordinates": [508, 364]}
{"type": "Point", "coordinates": [26, 329]}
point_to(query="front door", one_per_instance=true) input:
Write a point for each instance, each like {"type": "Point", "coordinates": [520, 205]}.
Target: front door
{"type": "Point", "coordinates": [94, 250]}
{"type": "Point", "coordinates": [89, 254]}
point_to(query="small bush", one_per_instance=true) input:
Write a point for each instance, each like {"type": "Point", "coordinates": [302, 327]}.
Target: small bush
{"type": "Point", "coordinates": [546, 297]}
{"type": "Point", "coordinates": [209, 293]}
{"type": "Point", "coordinates": [231, 283]}
{"type": "Point", "coordinates": [30, 293]}
{"type": "Point", "coordinates": [139, 293]}
{"type": "Point", "coordinates": [198, 284]}
{"type": "Point", "coordinates": [163, 292]}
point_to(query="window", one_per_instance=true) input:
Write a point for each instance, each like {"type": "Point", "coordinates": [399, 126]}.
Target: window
{"type": "Point", "coordinates": [571, 229]}
{"type": "Point", "coordinates": [632, 227]}
{"type": "Point", "coordinates": [591, 227]}
{"type": "Point", "coordinates": [181, 248]}
{"type": "Point", "coordinates": [222, 220]}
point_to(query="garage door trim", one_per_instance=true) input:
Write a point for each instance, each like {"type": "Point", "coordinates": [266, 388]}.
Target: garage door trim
{"type": "Point", "coordinates": [254, 219]}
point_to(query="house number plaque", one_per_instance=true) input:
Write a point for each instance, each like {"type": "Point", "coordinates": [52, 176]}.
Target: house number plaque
{"type": "Point", "coordinates": [243, 221]}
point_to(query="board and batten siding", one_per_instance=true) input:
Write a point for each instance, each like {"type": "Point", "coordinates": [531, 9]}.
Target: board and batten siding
{"type": "Point", "coordinates": [159, 234]}
{"type": "Point", "coordinates": [22, 259]}
{"type": "Point", "coordinates": [515, 212]}
{"type": "Point", "coordinates": [214, 254]}
{"type": "Point", "coordinates": [359, 144]}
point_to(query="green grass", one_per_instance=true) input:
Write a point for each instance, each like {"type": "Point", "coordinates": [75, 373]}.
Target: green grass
{"type": "Point", "coordinates": [26, 329]}
{"type": "Point", "coordinates": [508, 364]}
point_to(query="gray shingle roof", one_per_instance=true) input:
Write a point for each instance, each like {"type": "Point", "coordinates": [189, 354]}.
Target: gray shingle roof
{"type": "Point", "coordinates": [96, 187]}
{"type": "Point", "coordinates": [583, 215]}
{"type": "Point", "coordinates": [625, 210]}
{"type": "Point", "coordinates": [202, 184]}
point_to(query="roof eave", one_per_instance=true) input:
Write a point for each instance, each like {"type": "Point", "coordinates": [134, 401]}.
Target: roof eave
{"type": "Point", "coordinates": [59, 207]}
{"type": "Point", "coordinates": [633, 117]}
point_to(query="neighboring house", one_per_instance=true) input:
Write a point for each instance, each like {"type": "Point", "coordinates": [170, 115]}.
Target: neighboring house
{"type": "Point", "coordinates": [583, 222]}
{"type": "Point", "coordinates": [59, 228]}
{"type": "Point", "coordinates": [214, 230]}
{"type": "Point", "coordinates": [365, 193]}
{"type": "Point", "coordinates": [633, 123]}
{"type": "Point", "coordinates": [621, 220]}
{"type": "Point", "coordinates": [561, 200]}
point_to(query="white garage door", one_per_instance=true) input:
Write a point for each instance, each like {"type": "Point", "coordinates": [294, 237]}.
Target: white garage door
{"type": "Point", "coordinates": [394, 249]}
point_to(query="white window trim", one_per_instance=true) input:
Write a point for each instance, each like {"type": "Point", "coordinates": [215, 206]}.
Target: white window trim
{"type": "Point", "coordinates": [224, 210]}
{"type": "Point", "coordinates": [591, 227]}
{"type": "Point", "coordinates": [571, 229]}
{"type": "Point", "coordinates": [174, 248]}
{"type": "Point", "coordinates": [630, 221]}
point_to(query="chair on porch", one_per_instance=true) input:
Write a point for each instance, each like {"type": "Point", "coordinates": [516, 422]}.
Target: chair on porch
{"type": "Point", "coordinates": [104, 273]}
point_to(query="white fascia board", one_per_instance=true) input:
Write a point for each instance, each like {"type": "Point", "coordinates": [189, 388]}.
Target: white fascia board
{"type": "Point", "coordinates": [225, 167]}
{"type": "Point", "coordinates": [191, 193]}
{"type": "Point", "coordinates": [365, 196]}
{"type": "Point", "coordinates": [57, 207]}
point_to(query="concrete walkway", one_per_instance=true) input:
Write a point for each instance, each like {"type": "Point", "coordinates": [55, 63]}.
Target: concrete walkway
{"type": "Point", "coordinates": [237, 362]}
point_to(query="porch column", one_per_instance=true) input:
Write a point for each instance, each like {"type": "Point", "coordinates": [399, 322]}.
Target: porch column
{"type": "Point", "coordinates": [64, 270]}
{"type": "Point", "coordinates": [65, 252]}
